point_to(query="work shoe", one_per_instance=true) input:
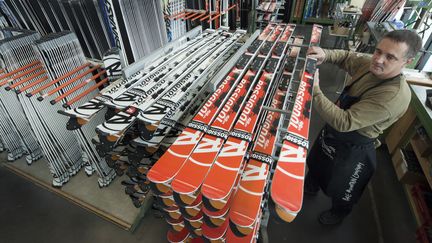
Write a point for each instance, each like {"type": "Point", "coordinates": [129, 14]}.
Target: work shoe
{"type": "Point", "coordinates": [330, 218]}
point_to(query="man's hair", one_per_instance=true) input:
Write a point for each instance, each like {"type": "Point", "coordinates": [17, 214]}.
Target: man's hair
{"type": "Point", "coordinates": [412, 39]}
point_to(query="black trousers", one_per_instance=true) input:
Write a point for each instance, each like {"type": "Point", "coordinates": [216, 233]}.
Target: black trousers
{"type": "Point", "coordinates": [341, 164]}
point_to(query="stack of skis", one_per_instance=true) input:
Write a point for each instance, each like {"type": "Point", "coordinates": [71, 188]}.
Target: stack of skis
{"type": "Point", "coordinates": [150, 108]}
{"type": "Point", "coordinates": [136, 27]}
{"type": "Point", "coordinates": [175, 27]}
{"type": "Point", "coordinates": [268, 10]}
{"type": "Point", "coordinates": [211, 183]}
{"type": "Point", "coordinates": [15, 130]}
{"type": "Point", "coordinates": [40, 75]}
{"type": "Point", "coordinates": [267, 6]}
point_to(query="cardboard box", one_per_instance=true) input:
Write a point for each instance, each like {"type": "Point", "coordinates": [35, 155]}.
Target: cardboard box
{"type": "Point", "coordinates": [340, 30]}
{"type": "Point", "coordinates": [402, 172]}
{"type": "Point", "coordinates": [423, 146]}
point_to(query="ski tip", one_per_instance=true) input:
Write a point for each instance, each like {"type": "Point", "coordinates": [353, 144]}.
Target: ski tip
{"type": "Point", "coordinates": [238, 231]}
{"type": "Point", "coordinates": [285, 215]}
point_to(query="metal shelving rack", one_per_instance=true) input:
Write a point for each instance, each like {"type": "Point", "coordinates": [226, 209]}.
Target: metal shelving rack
{"type": "Point", "coordinates": [261, 22]}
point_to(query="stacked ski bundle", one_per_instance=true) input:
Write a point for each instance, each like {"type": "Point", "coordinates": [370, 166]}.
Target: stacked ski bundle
{"type": "Point", "coordinates": [187, 178]}
{"type": "Point", "coordinates": [18, 63]}
{"type": "Point", "coordinates": [149, 109]}
{"type": "Point", "coordinates": [137, 25]}
{"type": "Point", "coordinates": [58, 73]}
{"type": "Point", "coordinates": [288, 179]}
{"type": "Point", "coordinates": [74, 82]}
{"type": "Point", "coordinates": [267, 6]}
{"type": "Point", "coordinates": [175, 27]}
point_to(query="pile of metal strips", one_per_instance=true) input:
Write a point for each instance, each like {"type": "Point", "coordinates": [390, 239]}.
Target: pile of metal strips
{"type": "Point", "coordinates": [44, 75]}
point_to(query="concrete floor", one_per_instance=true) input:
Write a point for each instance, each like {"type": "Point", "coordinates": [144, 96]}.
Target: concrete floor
{"type": "Point", "coordinates": [31, 214]}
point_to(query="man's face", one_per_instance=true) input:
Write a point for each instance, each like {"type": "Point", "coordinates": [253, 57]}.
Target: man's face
{"type": "Point", "coordinates": [389, 58]}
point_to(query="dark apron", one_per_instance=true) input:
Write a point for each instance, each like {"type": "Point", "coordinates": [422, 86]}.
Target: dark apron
{"type": "Point", "coordinates": [342, 163]}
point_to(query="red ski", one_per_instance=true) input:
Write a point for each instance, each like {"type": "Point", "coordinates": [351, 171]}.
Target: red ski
{"type": "Point", "coordinates": [240, 238]}
{"type": "Point", "coordinates": [287, 184]}
{"type": "Point", "coordinates": [246, 205]}
{"type": "Point", "coordinates": [288, 179]}
{"type": "Point", "coordinates": [181, 236]}
{"type": "Point", "coordinates": [217, 233]}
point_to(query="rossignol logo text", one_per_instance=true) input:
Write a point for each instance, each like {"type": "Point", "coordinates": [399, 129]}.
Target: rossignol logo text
{"type": "Point", "coordinates": [198, 126]}
{"type": "Point", "coordinates": [295, 120]}
{"type": "Point", "coordinates": [297, 140]}
{"type": "Point", "coordinates": [223, 115]}
{"type": "Point", "coordinates": [242, 135]}
{"type": "Point", "coordinates": [218, 132]}
{"type": "Point", "coordinates": [244, 117]}
{"type": "Point", "coordinates": [205, 110]}
{"type": "Point", "coordinates": [143, 96]}
{"type": "Point", "coordinates": [117, 86]}
{"type": "Point", "coordinates": [178, 86]}
{"type": "Point", "coordinates": [151, 77]}
{"type": "Point", "coordinates": [263, 136]}
{"type": "Point", "coordinates": [262, 157]}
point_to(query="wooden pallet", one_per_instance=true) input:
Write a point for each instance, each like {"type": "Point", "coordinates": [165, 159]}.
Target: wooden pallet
{"type": "Point", "coordinates": [110, 203]}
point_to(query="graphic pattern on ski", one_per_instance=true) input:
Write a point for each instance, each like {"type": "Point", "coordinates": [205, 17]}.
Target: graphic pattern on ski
{"type": "Point", "coordinates": [191, 175]}
{"type": "Point", "coordinates": [288, 179]}
{"type": "Point", "coordinates": [169, 164]}
{"type": "Point", "coordinates": [229, 163]}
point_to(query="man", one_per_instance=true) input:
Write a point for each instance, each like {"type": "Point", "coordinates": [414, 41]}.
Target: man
{"type": "Point", "coordinates": [343, 159]}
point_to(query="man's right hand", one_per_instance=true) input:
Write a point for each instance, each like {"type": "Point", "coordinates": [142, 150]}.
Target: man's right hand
{"type": "Point", "coordinates": [317, 53]}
